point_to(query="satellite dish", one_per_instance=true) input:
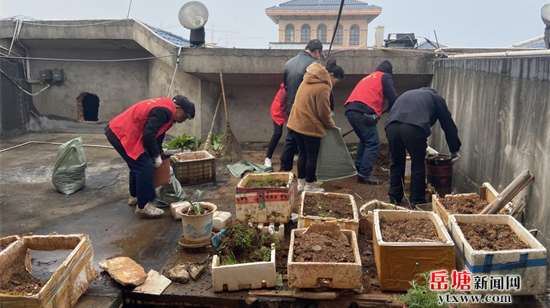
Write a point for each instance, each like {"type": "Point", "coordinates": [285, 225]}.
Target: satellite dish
{"type": "Point", "coordinates": [193, 15]}
{"type": "Point", "coordinates": [545, 14]}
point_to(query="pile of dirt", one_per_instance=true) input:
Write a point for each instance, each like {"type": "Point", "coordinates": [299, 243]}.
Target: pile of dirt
{"type": "Point", "coordinates": [325, 206]}
{"type": "Point", "coordinates": [244, 244]}
{"type": "Point", "coordinates": [322, 247]}
{"type": "Point", "coordinates": [492, 237]}
{"type": "Point", "coordinates": [466, 204]}
{"type": "Point", "coordinates": [23, 283]}
{"type": "Point", "coordinates": [383, 160]}
{"type": "Point", "coordinates": [418, 230]}
{"type": "Point", "coordinates": [266, 182]}
{"type": "Point", "coordinates": [191, 211]}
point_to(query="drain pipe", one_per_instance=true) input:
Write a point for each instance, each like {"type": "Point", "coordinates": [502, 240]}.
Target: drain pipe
{"type": "Point", "coordinates": [542, 52]}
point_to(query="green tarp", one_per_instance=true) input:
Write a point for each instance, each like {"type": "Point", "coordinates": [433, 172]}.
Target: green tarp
{"type": "Point", "coordinates": [169, 193]}
{"type": "Point", "coordinates": [239, 169]}
{"type": "Point", "coordinates": [334, 161]}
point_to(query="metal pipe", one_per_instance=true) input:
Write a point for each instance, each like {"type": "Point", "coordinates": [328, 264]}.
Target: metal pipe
{"type": "Point", "coordinates": [543, 52]}
{"type": "Point", "coordinates": [53, 143]}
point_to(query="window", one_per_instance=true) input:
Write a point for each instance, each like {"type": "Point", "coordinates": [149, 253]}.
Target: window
{"type": "Point", "coordinates": [305, 33]}
{"type": "Point", "coordinates": [339, 38]}
{"type": "Point", "coordinates": [322, 33]}
{"type": "Point", "coordinates": [354, 35]}
{"type": "Point", "coordinates": [289, 33]}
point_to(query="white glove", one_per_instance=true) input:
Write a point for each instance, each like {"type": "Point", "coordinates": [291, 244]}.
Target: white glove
{"type": "Point", "coordinates": [171, 171]}
{"type": "Point", "coordinates": [157, 162]}
{"type": "Point", "coordinates": [455, 157]}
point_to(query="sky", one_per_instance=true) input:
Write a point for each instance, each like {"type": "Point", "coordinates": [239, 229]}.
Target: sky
{"type": "Point", "coordinates": [244, 24]}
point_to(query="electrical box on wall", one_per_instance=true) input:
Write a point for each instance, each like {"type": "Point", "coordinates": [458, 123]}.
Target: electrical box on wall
{"type": "Point", "coordinates": [46, 76]}
{"type": "Point", "coordinates": [57, 76]}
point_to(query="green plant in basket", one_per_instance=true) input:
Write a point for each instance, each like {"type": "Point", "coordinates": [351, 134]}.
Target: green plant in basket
{"type": "Point", "coordinates": [420, 295]}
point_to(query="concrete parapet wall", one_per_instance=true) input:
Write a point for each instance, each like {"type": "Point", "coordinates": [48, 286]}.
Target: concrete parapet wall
{"type": "Point", "coordinates": [501, 108]}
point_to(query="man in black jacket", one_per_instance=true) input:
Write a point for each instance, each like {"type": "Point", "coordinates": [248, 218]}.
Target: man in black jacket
{"type": "Point", "coordinates": [407, 128]}
{"type": "Point", "coordinates": [294, 72]}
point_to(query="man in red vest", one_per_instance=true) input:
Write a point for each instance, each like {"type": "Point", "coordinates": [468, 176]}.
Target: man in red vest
{"type": "Point", "coordinates": [137, 135]}
{"type": "Point", "coordinates": [363, 110]}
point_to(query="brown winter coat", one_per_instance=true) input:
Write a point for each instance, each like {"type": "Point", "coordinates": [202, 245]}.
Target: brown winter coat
{"type": "Point", "coordinates": [310, 113]}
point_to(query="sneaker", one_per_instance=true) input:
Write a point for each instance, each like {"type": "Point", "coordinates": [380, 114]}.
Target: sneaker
{"type": "Point", "coordinates": [301, 184]}
{"type": "Point", "coordinates": [295, 157]}
{"type": "Point", "coordinates": [369, 180]}
{"type": "Point", "coordinates": [313, 187]}
{"type": "Point", "coordinates": [267, 162]}
{"type": "Point", "coordinates": [132, 201]}
{"type": "Point", "coordinates": [149, 211]}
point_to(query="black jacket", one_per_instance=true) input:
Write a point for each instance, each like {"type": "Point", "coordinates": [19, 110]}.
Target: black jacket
{"type": "Point", "coordinates": [389, 90]}
{"type": "Point", "coordinates": [157, 118]}
{"type": "Point", "coordinates": [295, 70]}
{"type": "Point", "coordinates": [423, 107]}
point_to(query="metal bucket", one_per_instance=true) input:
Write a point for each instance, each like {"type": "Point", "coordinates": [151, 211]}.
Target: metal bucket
{"type": "Point", "coordinates": [439, 172]}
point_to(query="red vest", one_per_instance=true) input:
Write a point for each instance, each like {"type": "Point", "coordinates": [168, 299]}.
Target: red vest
{"type": "Point", "coordinates": [128, 126]}
{"type": "Point", "coordinates": [278, 113]}
{"type": "Point", "coordinates": [370, 92]}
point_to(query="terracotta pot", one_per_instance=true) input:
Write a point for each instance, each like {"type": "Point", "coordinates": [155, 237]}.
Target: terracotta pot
{"type": "Point", "coordinates": [198, 228]}
{"type": "Point", "coordinates": [161, 175]}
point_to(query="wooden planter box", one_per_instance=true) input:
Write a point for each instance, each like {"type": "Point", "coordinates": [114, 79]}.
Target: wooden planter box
{"type": "Point", "coordinates": [236, 277]}
{"type": "Point", "coordinates": [398, 263]}
{"type": "Point", "coordinates": [325, 274]}
{"type": "Point", "coordinates": [486, 192]}
{"type": "Point", "coordinates": [193, 168]}
{"type": "Point", "coordinates": [264, 204]}
{"type": "Point", "coordinates": [530, 263]}
{"type": "Point", "coordinates": [67, 283]}
{"type": "Point", "coordinates": [304, 221]}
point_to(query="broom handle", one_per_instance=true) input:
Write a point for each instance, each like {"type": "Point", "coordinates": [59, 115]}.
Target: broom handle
{"type": "Point", "coordinates": [223, 94]}
{"type": "Point", "coordinates": [215, 114]}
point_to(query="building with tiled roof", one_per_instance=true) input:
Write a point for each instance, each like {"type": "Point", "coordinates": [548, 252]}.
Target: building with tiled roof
{"type": "Point", "coordinates": [535, 43]}
{"type": "Point", "coordinates": [302, 20]}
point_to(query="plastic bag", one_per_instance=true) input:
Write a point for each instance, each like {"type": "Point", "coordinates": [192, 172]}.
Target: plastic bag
{"type": "Point", "coordinates": [69, 172]}
{"type": "Point", "coordinates": [334, 162]}
{"type": "Point", "coordinates": [169, 193]}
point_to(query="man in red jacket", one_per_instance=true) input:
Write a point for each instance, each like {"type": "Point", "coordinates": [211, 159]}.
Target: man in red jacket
{"type": "Point", "coordinates": [137, 135]}
{"type": "Point", "coordinates": [363, 109]}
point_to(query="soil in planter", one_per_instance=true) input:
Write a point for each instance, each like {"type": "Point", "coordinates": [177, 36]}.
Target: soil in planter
{"type": "Point", "coordinates": [323, 206]}
{"type": "Point", "coordinates": [4, 246]}
{"type": "Point", "coordinates": [322, 247]}
{"type": "Point", "coordinates": [245, 244]}
{"type": "Point", "coordinates": [191, 211]}
{"type": "Point", "coordinates": [265, 182]}
{"type": "Point", "coordinates": [492, 237]}
{"type": "Point", "coordinates": [418, 230]}
{"type": "Point", "coordinates": [23, 283]}
{"type": "Point", "coordinates": [464, 204]}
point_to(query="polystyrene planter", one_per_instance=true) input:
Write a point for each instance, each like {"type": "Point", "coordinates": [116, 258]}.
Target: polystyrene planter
{"type": "Point", "coordinates": [197, 228]}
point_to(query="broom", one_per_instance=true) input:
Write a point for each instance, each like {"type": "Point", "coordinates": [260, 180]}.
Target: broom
{"type": "Point", "coordinates": [231, 150]}
{"type": "Point", "coordinates": [208, 146]}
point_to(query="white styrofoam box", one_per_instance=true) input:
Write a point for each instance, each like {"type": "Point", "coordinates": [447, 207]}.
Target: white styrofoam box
{"type": "Point", "coordinates": [221, 220]}
{"type": "Point", "coordinates": [174, 208]}
{"type": "Point", "coordinates": [304, 221]}
{"type": "Point", "coordinates": [264, 204]}
{"type": "Point", "coordinates": [529, 264]}
{"type": "Point", "coordinates": [236, 277]}
{"type": "Point", "coordinates": [277, 229]}
{"type": "Point", "coordinates": [325, 274]}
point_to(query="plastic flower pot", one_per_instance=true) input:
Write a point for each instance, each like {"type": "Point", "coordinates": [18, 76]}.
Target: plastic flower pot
{"type": "Point", "coordinates": [197, 228]}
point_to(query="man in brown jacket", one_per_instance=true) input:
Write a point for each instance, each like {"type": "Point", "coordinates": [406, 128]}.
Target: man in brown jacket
{"type": "Point", "coordinates": [310, 118]}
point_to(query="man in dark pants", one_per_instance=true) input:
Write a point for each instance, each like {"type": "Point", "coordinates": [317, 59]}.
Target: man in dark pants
{"type": "Point", "coordinates": [294, 72]}
{"type": "Point", "coordinates": [363, 109]}
{"type": "Point", "coordinates": [137, 135]}
{"type": "Point", "coordinates": [407, 128]}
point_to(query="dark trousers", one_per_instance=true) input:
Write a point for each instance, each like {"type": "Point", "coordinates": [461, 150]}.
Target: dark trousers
{"type": "Point", "coordinates": [307, 158]}
{"type": "Point", "coordinates": [406, 137]}
{"type": "Point", "coordinates": [277, 134]}
{"type": "Point", "coordinates": [369, 143]}
{"type": "Point", "coordinates": [289, 150]}
{"type": "Point", "coordinates": [141, 172]}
